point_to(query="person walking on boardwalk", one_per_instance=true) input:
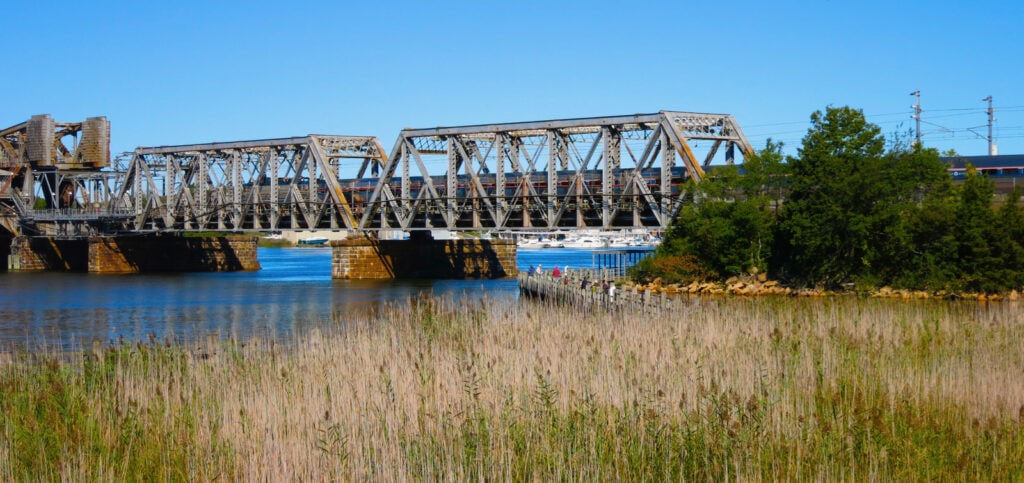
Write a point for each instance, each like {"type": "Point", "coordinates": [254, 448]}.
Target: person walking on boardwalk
{"type": "Point", "coordinates": [530, 272]}
{"type": "Point", "coordinates": [611, 290]}
{"type": "Point", "coordinates": [556, 272]}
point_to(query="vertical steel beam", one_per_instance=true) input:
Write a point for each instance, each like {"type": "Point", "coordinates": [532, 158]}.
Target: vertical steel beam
{"type": "Point", "coordinates": [581, 221]}
{"type": "Point", "coordinates": [406, 193]}
{"type": "Point", "coordinates": [611, 153]}
{"type": "Point", "coordinates": [501, 144]}
{"type": "Point", "coordinates": [202, 183]}
{"type": "Point", "coordinates": [273, 173]}
{"type": "Point", "coordinates": [313, 202]}
{"type": "Point", "coordinates": [668, 161]}
{"type": "Point", "coordinates": [451, 181]}
{"type": "Point", "coordinates": [172, 172]}
{"type": "Point", "coordinates": [551, 191]}
{"type": "Point", "coordinates": [234, 194]}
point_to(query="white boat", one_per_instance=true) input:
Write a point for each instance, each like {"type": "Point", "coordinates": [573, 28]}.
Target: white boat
{"type": "Point", "coordinates": [312, 241]}
{"type": "Point", "coordinates": [586, 242]}
{"type": "Point", "coordinates": [619, 242]}
{"type": "Point", "coordinates": [529, 244]}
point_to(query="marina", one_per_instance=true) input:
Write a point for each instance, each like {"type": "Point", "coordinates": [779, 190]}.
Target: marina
{"type": "Point", "coordinates": [588, 240]}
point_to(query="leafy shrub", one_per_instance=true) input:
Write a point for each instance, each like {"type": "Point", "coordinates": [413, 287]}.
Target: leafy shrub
{"type": "Point", "coordinates": [670, 269]}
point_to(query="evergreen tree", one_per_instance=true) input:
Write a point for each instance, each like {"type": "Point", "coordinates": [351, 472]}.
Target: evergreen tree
{"type": "Point", "coordinates": [988, 257]}
{"type": "Point", "coordinates": [845, 219]}
{"type": "Point", "coordinates": [825, 225]}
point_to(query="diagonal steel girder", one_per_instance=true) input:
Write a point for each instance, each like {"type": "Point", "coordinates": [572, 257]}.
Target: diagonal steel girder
{"type": "Point", "coordinates": [602, 172]}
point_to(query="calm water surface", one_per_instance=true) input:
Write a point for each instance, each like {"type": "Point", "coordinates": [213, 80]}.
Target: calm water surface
{"type": "Point", "coordinates": [293, 293]}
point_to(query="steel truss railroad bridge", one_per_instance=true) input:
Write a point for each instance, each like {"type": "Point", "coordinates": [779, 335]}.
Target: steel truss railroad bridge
{"type": "Point", "coordinates": [605, 173]}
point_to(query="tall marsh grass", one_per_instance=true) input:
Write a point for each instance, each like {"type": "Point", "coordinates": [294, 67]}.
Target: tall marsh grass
{"type": "Point", "coordinates": [765, 388]}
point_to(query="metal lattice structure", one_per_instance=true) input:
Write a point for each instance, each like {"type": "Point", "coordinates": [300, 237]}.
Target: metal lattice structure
{"type": "Point", "coordinates": [604, 173]}
{"type": "Point", "coordinates": [52, 165]}
{"type": "Point", "coordinates": [267, 185]}
{"type": "Point", "coordinates": [43, 143]}
{"type": "Point", "coordinates": [607, 173]}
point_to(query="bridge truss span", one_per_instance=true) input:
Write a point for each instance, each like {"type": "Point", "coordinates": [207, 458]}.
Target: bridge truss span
{"type": "Point", "coordinates": [607, 172]}
{"type": "Point", "coordinates": [266, 185]}
{"type": "Point", "coordinates": [615, 172]}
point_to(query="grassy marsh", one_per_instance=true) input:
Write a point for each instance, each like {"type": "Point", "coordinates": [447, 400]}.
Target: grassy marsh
{"type": "Point", "coordinates": [761, 388]}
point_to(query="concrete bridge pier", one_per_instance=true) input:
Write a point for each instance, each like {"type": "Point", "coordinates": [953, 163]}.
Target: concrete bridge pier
{"type": "Point", "coordinates": [422, 257]}
{"type": "Point", "coordinates": [133, 254]}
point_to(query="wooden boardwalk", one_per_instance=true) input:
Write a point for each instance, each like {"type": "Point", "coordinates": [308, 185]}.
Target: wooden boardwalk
{"type": "Point", "coordinates": [568, 289]}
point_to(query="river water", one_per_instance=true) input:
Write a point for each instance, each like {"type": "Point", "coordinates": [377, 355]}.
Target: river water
{"type": "Point", "coordinates": [291, 295]}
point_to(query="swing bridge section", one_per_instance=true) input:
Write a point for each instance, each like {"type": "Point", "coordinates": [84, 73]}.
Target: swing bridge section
{"type": "Point", "coordinates": [604, 173]}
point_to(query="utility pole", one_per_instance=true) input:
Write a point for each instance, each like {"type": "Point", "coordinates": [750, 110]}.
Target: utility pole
{"type": "Point", "coordinates": [992, 149]}
{"type": "Point", "coordinates": [917, 113]}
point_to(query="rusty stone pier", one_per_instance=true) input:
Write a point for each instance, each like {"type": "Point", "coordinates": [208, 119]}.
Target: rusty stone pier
{"type": "Point", "coordinates": [422, 257]}
{"type": "Point", "coordinates": [134, 254]}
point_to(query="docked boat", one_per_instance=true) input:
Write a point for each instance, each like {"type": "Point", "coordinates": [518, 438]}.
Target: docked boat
{"type": "Point", "coordinates": [312, 241]}
{"type": "Point", "coordinates": [528, 244]}
{"type": "Point", "coordinates": [585, 242]}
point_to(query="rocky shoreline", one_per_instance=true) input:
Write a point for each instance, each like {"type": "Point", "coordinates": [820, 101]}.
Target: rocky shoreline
{"type": "Point", "coordinates": [759, 285]}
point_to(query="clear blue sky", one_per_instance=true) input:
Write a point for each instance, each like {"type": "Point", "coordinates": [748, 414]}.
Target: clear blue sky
{"type": "Point", "coordinates": [187, 72]}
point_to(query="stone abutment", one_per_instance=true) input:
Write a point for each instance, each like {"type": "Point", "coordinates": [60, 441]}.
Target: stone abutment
{"type": "Point", "coordinates": [422, 257]}
{"type": "Point", "coordinates": [133, 254]}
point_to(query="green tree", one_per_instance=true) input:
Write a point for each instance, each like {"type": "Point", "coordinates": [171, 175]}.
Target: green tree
{"type": "Point", "coordinates": [764, 174]}
{"type": "Point", "coordinates": [906, 178]}
{"type": "Point", "coordinates": [727, 228]}
{"type": "Point", "coordinates": [1007, 241]}
{"type": "Point", "coordinates": [845, 219]}
{"type": "Point", "coordinates": [989, 255]}
{"type": "Point", "coordinates": [931, 260]}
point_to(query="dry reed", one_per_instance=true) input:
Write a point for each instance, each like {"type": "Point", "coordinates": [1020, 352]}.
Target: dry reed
{"type": "Point", "coordinates": [502, 389]}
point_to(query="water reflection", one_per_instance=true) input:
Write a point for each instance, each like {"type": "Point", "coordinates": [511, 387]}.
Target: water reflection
{"type": "Point", "coordinates": [291, 295]}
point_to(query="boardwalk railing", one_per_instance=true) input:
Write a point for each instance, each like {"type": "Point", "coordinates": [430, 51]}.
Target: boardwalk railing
{"type": "Point", "coordinates": [569, 289]}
